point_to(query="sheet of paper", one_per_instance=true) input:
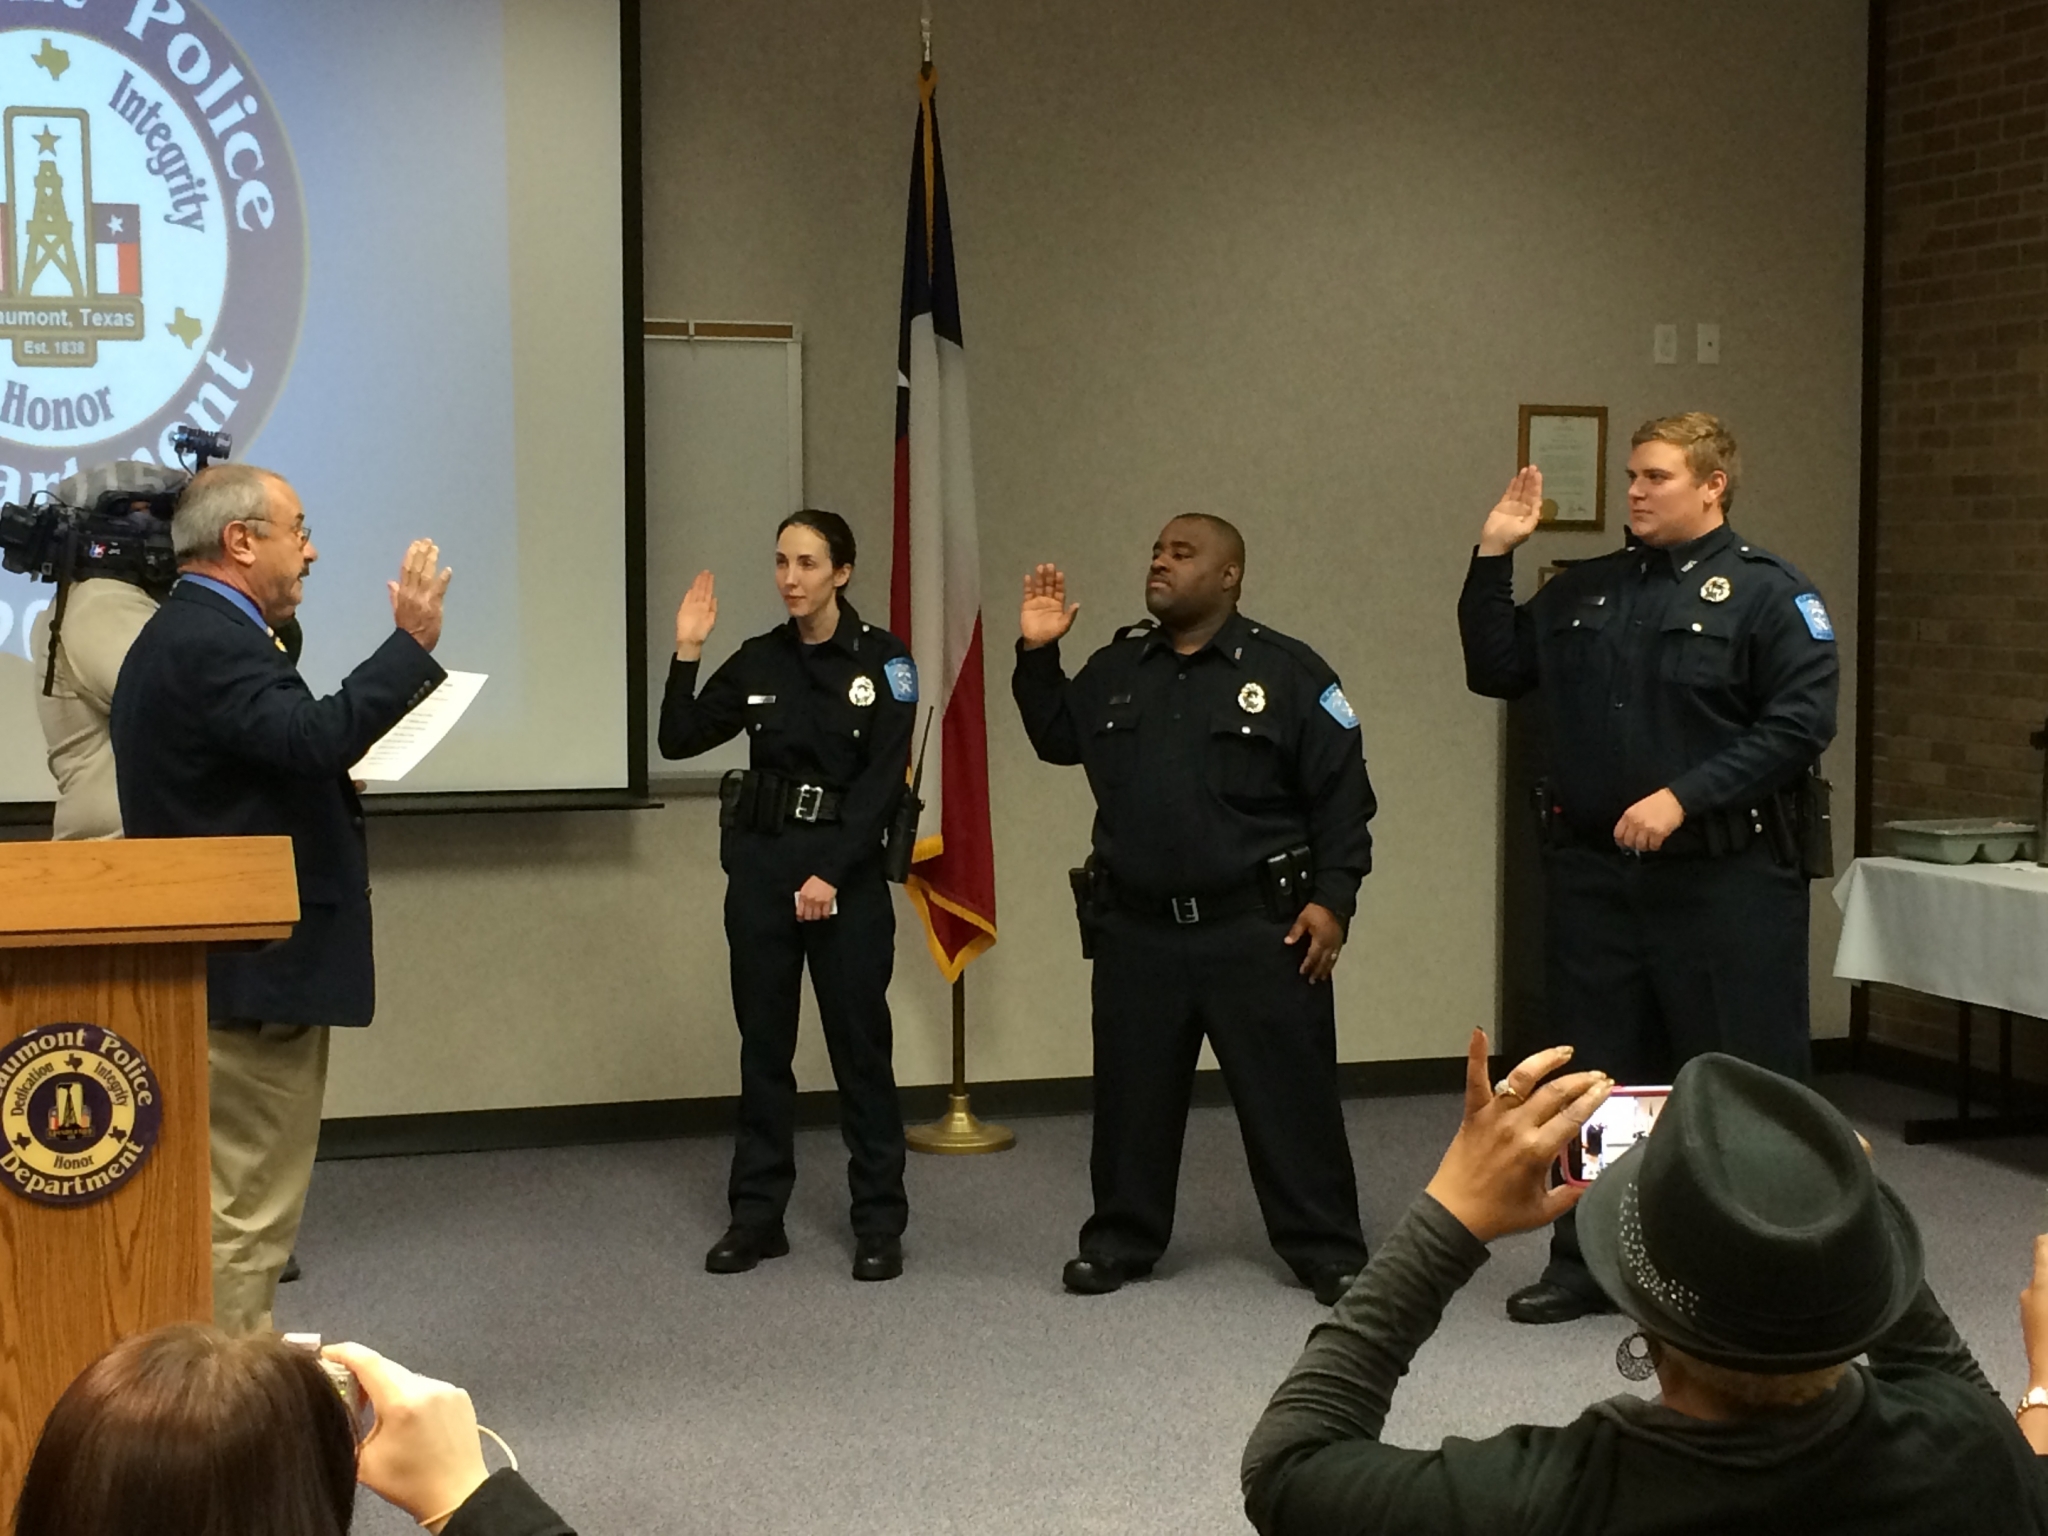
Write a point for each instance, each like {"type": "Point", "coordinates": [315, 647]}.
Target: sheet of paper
{"type": "Point", "coordinates": [402, 748]}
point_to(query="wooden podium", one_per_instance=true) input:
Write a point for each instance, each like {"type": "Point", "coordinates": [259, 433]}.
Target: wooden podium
{"type": "Point", "coordinates": [111, 935]}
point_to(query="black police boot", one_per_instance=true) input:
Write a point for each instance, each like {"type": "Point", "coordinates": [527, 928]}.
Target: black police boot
{"type": "Point", "coordinates": [877, 1256]}
{"type": "Point", "coordinates": [743, 1247]}
{"type": "Point", "coordinates": [1091, 1275]}
{"type": "Point", "coordinates": [1547, 1302]}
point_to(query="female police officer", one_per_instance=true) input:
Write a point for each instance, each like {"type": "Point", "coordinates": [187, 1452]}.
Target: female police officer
{"type": "Point", "coordinates": [827, 703]}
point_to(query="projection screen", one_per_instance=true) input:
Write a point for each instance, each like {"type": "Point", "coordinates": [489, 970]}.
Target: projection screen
{"type": "Point", "coordinates": [382, 244]}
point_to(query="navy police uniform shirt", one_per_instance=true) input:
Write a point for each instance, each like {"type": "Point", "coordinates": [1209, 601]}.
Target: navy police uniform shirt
{"type": "Point", "coordinates": [837, 714]}
{"type": "Point", "coordinates": [1708, 668]}
{"type": "Point", "coordinates": [1205, 765]}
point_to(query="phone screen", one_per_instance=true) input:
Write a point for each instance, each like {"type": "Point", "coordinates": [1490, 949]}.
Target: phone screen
{"type": "Point", "coordinates": [1618, 1124]}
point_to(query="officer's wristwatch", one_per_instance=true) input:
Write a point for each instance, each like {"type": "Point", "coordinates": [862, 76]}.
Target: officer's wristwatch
{"type": "Point", "coordinates": [2037, 1397]}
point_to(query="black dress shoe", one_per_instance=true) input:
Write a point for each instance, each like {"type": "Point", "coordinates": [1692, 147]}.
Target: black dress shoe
{"type": "Point", "coordinates": [1330, 1281]}
{"type": "Point", "coordinates": [877, 1256]}
{"type": "Point", "coordinates": [743, 1247]}
{"type": "Point", "coordinates": [290, 1272]}
{"type": "Point", "coordinates": [1092, 1276]}
{"type": "Point", "coordinates": [1545, 1302]}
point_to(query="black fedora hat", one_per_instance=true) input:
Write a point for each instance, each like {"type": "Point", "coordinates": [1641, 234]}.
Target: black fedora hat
{"type": "Point", "coordinates": [1748, 1227]}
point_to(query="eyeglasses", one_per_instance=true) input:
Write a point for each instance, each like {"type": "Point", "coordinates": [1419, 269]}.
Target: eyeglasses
{"type": "Point", "coordinates": [301, 530]}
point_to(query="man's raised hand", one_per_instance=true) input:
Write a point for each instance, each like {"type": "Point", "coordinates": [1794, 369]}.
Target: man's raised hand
{"type": "Point", "coordinates": [695, 618]}
{"type": "Point", "coordinates": [417, 594]}
{"type": "Point", "coordinates": [1047, 615]}
{"type": "Point", "coordinates": [1515, 516]}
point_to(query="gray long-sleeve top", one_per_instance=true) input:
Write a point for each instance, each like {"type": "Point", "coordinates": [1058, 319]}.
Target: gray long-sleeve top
{"type": "Point", "coordinates": [1913, 1443]}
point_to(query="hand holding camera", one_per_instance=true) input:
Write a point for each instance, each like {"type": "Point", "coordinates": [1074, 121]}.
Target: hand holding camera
{"type": "Point", "coordinates": [1495, 1178]}
{"type": "Point", "coordinates": [423, 1453]}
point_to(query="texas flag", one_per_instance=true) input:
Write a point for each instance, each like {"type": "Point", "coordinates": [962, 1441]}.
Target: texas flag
{"type": "Point", "coordinates": [117, 248]}
{"type": "Point", "coordinates": [935, 579]}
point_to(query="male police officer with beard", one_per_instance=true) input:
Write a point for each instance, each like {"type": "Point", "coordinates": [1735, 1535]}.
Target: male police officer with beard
{"type": "Point", "coordinates": [1231, 833]}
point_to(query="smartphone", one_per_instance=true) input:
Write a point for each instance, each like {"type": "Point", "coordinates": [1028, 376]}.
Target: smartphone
{"type": "Point", "coordinates": [1619, 1123]}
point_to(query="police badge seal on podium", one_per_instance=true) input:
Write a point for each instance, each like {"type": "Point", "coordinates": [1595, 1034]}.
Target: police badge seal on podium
{"type": "Point", "coordinates": [79, 1110]}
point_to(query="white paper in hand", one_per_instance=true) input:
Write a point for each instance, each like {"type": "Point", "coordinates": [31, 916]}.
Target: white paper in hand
{"type": "Point", "coordinates": [402, 748]}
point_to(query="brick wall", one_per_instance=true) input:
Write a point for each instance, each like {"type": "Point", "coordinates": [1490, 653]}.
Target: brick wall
{"type": "Point", "coordinates": [1960, 606]}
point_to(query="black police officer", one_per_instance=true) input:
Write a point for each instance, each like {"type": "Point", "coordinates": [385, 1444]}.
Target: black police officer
{"type": "Point", "coordinates": [827, 703]}
{"type": "Point", "coordinates": [1231, 832]}
{"type": "Point", "coordinates": [1688, 686]}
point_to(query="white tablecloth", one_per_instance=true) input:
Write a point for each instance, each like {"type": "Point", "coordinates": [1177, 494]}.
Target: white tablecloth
{"type": "Point", "coordinates": [1977, 933]}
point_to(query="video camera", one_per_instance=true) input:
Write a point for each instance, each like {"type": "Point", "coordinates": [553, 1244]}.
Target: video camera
{"type": "Point", "coordinates": [112, 520]}
{"type": "Point", "coordinates": [125, 532]}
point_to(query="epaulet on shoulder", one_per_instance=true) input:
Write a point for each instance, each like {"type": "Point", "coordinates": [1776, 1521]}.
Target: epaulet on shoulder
{"type": "Point", "coordinates": [1300, 650]}
{"type": "Point", "coordinates": [1756, 554]}
{"type": "Point", "coordinates": [1138, 631]}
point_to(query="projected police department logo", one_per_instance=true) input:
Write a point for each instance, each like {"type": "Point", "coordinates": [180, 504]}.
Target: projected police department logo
{"type": "Point", "coordinates": [79, 1109]}
{"type": "Point", "coordinates": [152, 242]}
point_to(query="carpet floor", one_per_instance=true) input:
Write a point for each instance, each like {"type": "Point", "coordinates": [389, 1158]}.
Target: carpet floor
{"type": "Point", "coordinates": [565, 1289]}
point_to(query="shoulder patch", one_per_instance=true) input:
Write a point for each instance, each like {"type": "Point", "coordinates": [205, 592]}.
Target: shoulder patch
{"type": "Point", "coordinates": [1815, 612]}
{"type": "Point", "coordinates": [1338, 707]}
{"type": "Point", "coordinates": [901, 672]}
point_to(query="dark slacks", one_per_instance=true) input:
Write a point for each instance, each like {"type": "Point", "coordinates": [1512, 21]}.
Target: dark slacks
{"type": "Point", "coordinates": [851, 957]}
{"type": "Point", "coordinates": [1653, 961]}
{"type": "Point", "coordinates": [1158, 989]}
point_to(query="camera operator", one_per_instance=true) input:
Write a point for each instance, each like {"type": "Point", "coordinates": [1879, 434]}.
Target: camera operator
{"type": "Point", "coordinates": [216, 734]}
{"type": "Point", "coordinates": [103, 613]}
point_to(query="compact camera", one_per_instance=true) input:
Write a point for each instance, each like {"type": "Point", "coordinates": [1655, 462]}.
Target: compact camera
{"type": "Point", "coordinates": [343, 1380]}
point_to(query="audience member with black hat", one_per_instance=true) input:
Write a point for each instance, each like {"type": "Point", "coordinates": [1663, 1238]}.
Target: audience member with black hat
{"type": "Point", "coordinates": [1752, 1243]}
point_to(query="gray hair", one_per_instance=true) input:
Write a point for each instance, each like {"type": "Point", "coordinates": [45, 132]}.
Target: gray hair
{"type": "Point", "coordinates": [218, 495]}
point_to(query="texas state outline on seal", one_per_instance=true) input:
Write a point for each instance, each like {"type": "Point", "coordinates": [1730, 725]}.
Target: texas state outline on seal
{"type": "Point", "coordinates": [153, 244]}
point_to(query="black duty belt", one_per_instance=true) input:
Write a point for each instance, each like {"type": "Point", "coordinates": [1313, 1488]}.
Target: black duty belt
{"type": "Point", "coordinates": [1233, 901]}
{"type": "Point", "coordinates": [760, 801]}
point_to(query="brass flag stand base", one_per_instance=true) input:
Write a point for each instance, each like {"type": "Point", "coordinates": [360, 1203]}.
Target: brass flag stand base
{"type": "Point", "coordinates": [957, 1132]}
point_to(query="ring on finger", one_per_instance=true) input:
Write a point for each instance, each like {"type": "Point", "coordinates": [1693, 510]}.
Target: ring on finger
{"type": "Point", "coordinates": [1505, 1089]}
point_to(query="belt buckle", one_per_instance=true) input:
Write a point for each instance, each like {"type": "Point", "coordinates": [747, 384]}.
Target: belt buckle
{"type": "Point", "coordinates": [810, 800]}
{"type": "Point", "coordinates": [1186, 910]}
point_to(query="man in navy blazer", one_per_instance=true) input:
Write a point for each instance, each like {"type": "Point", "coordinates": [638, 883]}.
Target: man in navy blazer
{"type": "Point", "coordinates": [216, 735]}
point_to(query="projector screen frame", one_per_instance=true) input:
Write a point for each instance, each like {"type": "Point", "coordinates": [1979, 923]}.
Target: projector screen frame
{"type": "Point", "coordinates": [633, 795]}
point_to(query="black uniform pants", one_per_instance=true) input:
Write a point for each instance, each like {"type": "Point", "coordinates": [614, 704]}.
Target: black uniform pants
{"type": "Point", "coordinates": [1159, 988]}
{"type": "Point", "coordinates": [1653, 961]}
{"type": "Point", "coordinates": [851, 957]}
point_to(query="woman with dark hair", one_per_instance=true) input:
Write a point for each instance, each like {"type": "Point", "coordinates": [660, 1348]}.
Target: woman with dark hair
{"type": "Point", "coordinates": [827, 703]}
{"type": "Point", "coordinates": [188, 1432]}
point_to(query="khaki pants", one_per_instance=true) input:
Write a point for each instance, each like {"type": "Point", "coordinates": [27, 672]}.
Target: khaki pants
{"type": "Point", "coordinates": [268, 1081]}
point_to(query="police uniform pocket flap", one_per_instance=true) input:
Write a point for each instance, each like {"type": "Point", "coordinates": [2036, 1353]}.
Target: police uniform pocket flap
{"type": "Point", "coordinates": [1588, 613]}
{"type": "Point", "coordinates": [1239, 722]}
{"type": "Point", "coordinates": [1120, 712]}
{"type": "Point", "coordinates": [1713, 622]}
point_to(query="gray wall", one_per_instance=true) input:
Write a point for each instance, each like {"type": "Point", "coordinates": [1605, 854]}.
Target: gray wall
{"type": "Point", "coordinates": [1294, 263]}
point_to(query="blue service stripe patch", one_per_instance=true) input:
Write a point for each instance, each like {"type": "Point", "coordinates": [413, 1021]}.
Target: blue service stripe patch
{"type": "Point", "coordinates": [1339, 707]}
{"type": "Point", "coordinates": [901, 672]}
{"type": "Point", "coordinates": [1815, 612]}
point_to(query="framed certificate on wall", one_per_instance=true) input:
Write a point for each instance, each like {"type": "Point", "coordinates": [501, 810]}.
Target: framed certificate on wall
{"type": "Point", "coordinates": [1569, 444]}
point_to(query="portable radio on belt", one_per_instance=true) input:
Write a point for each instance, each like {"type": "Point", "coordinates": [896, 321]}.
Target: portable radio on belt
{"type": "Point", "coordinates": [902, 842]}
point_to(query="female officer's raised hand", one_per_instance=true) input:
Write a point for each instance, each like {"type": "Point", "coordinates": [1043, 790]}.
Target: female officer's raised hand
{"type": "Point", "coordinates": [695, 618]}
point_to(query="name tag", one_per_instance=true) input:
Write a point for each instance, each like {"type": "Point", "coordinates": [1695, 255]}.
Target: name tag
{"type": "Point", "coordinates": [760, 698]}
